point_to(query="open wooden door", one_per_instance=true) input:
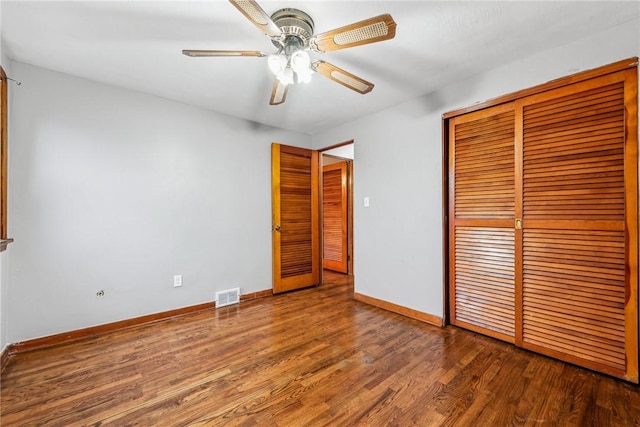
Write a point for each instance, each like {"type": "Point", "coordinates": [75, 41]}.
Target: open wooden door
{"type": "Point", "coordinates": [296, 218]}
{"type": "Point", "coordinates": [334, 218]}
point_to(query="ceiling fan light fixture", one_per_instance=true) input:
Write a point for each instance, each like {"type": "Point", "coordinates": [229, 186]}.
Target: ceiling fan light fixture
{"type": "Point", "coordinates": [286, 76]}
{"type": "Point", "coordinates": [292, 32]}
{"type": "Point", "coordinates": [277, 63]}
{"type": "Point", "coordinates": [304, 75]}
{"type": "Point", "coordinates": [300, 61]}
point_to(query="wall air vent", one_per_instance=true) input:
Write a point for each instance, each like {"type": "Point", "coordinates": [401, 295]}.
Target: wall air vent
{"type": "Point", "coordinates": [227, 297]}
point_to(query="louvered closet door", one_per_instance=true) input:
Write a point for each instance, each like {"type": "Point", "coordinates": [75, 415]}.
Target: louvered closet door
{"type": "Point", "coordinates": [579, 235]}
{"type": "Point", "coordinates": [482, 211]}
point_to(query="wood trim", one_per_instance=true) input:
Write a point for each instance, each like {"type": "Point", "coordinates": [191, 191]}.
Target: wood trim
{"type": "Point", "coordinates": [93, 331]}
{"type": "Point", "coordinates": [553, 84]}
{"type": "Point", "coordinates": [350, 199]}
{"type": "Point", "coordinates": [4, 135]}
{"type": "Point", "coordinates": [4, 358]}
{"type": "Point", "coordinates": [450, 211]}
{"type": "Point", "coordinates": [331, 147]}
{"type": "Point", "coordinates": [445, 224]}
{"type": "Point", "coordinates": [631, 225]}
{"type": "Point", "coordinates": [316, 218]}
{"type": "Point", "coordinates": [256, 295]}
{"type": "Point", "coordinates": [578, 361]}
{"type": "Point", "coordinates": [518, 213]}
{"type": "Point", "coordinates": [350, 217]}
{"type": "Point", "coordinates": [404, 311]}
{"type": "Point", "coordinates": [561, 224]}
{"type": "Point", "coordinates": [275, 214]}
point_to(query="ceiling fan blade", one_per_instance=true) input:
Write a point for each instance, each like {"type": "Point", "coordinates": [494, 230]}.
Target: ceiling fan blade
{"type": "Point", "coordinates": [203, 53]}
{"type": "Point", "coordinates": [278, 93]}
{"type": "Point", "coordinates": [370, 30]}
{"type": "Point", "coordinates": [258, 17]}
{"type": "Point", "coordinates": [343, 77]}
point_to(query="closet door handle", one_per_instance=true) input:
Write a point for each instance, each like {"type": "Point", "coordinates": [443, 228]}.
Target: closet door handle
{"type": "Point", "coordinates": [518, 223]}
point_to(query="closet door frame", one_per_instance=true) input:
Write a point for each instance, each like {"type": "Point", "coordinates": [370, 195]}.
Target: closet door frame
{"type": "Point", "coordinates": [631, 197]}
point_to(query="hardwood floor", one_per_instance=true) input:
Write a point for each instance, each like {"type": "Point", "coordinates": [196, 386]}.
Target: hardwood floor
{"type": "Point", "coordinates": [311, 357]}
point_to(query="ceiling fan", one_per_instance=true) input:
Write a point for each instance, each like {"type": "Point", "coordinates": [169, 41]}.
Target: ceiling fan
{"type": "Point", "coordinates": [291, 31]}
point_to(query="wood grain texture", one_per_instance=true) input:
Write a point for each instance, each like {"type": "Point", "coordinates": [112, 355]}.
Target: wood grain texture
{"type": "Point", "coordinates": [482, 209]}
{"type": "Point", "coordinates": [631, 222]}
{"type": "Point", "coordinates": [484, 276]}
{"type": "Point", "coordinates": [334, 217]}
{"type": "Point", "coordinates": [312, 357]}
{"type": "Point", "coordinates": [574, 282]}
{"type": "Point", "coordinates": [575, 273]}
{"type": "Point", "coordinates": [297, 253]}
{"type": "Point", "coordinates": [4, 358]}
{"type": "Point", "coordinates": [255, 295]}
{"type": "Point", "coordinates": [94, 331]}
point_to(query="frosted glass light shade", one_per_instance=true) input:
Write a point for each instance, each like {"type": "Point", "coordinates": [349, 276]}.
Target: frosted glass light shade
{"type": "Point", "coordinates": [304, 76]}
{"type": "Point", "coordinates": [300, 61]}
{"type": "Point", "coordinates": [277, 63]}
{"type": "Point", "coordinates": [286, 77]}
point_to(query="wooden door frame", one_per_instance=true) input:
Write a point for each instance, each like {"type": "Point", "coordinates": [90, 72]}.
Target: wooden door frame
{"type": "Point", "coordinates": [349, 202]}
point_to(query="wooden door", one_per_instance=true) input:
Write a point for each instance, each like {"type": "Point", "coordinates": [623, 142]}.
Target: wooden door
{"type": "Point", "coordinates": [482, 211]}
{"type": "Point", "coordinates": [296, 219]}
{"type": "Point", "coordinates": [579, 224]}
{"type": "Point", "coordinates": [543, 222]}
{"type": "Point", "coordinates": [335, 217]}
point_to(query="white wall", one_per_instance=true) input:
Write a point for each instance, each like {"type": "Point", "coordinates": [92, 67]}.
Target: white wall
{"type": "Point", "coordinates": [398, 164]}
{"type": "Point", "coordinates": [118, 191]}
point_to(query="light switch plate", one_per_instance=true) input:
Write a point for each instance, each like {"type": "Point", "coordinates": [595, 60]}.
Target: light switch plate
{"type": "Point", "coordinates": [177, 280]}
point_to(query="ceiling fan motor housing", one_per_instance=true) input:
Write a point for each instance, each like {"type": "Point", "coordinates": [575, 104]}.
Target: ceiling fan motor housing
{"type": "Point", "coordinates": [296, 26]}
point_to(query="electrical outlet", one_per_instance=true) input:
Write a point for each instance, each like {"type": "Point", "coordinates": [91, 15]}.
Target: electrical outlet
{"type": "Point", "coordinates": [177, 280]}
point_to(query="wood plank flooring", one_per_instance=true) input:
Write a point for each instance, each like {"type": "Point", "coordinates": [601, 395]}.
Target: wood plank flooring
{"type": "Point", "coordinates": [307, 358]}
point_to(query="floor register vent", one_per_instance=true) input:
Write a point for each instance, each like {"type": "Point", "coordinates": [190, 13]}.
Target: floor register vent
{"type": "Point", "coordinates": [227, 297]}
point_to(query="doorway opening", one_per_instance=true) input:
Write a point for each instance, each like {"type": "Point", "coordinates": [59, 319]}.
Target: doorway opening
{"type": "Point", "coordinates": [336, 166]}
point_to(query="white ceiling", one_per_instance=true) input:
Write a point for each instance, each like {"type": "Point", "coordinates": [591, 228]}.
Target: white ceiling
{"type": "Point", "coordinates": [137, 45]}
